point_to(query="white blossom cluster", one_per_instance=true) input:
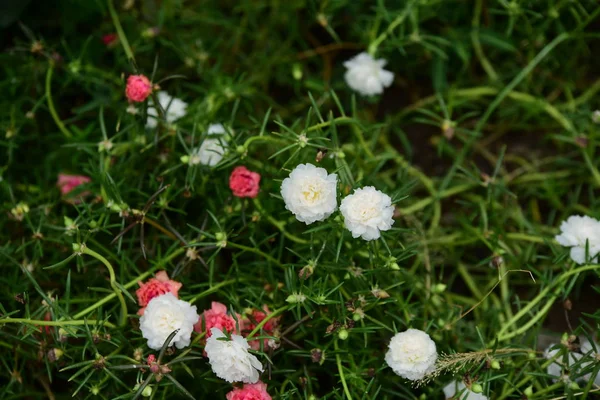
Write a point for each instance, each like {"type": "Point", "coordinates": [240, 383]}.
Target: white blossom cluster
{"type": "Point", "coordinates": [310, 193]}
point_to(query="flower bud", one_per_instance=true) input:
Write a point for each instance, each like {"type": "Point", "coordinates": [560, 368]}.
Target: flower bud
{"type": "Point", "coordinates": [476, 388]}
{"type": "Point", "coordinates": [184, 159]}
{"type": "Point", "coordinates": [343, 334]}
{"type": "Point", "coordinates": [495, 364]}
{"type": "Point", "coordinates": [297, 71]}
{"type": "Point", "coordinates": [438, 288]}
{"type": "Point", "coordinates": [54, 354]}
{"type": "Point", "coordinates": [528, 391]}
{"type": "Point", "coordinates": [306, 272]}
{"type": "Point", "coordinates": [296, 298]}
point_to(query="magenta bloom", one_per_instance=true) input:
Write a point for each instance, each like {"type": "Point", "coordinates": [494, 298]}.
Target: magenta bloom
{"type": "Point", "coordinates": [138, 88]}
{"type": "Point", "coordinates": [250, 391]}
{"type": "Point", "coordinates": [110, 39]}
{"type": "Point", "coordinates": [66, 183]}
{"type": "Point", "coordinates": [244, 183]}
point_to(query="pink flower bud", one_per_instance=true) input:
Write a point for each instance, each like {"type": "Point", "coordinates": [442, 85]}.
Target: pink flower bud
{"type": "Point", "coordinates": [138, 88]}
{"type": "Point", "coordinates": [244, 183]}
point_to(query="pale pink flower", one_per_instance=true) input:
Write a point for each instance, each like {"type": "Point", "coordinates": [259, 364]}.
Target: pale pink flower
{"type": "Point", "coordinates": [67, 183]}
{"type": "Point", "coordinates": [155, 287]}
{"type": "Point", "coordinates": [250, 391]}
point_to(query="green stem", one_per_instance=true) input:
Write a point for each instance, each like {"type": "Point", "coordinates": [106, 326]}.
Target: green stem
{"type": "Point", "coordinates": [278, 224]}
{"type": "Point", "coordinates": [395, 23]}
{"type": "Point", "coordinates": [591, 166]}
{"type": "Point", "coordinates": [267, 319]}
{"type": "Point", "coordinates": [113, 280]}
{"type": "Point", "coordinates": [257, 252]}
{"type": "Point", "coordinates": [338, 120]}
{"type": "Point", "coordinates": [477, 44]}
{"type": "Point", "coordinates": [502, 336]}
{"type": "Point", "coordinates": [129, 284]}
{"type": "Point", "coordinates": [212, 289]}
{"type": "Point", "coordinates": [51, 108]}
{"type": "Point", "coordinates": [55, 323]}
{"type": "Point", "coordinates": [338, 361]}
{"type": "Point", "coordinates": [428, 200]}
{"type": "Point", "coordinates": [120, 32]}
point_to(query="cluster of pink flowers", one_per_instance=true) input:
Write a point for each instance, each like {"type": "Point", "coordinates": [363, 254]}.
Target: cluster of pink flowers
{"type": "Point", "coordinates": [217, 316]}
{"type": "Point", "coordinates": [269, 328]}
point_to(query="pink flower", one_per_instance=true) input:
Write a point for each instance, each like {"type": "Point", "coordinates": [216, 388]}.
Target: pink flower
{"type": "Point", "coordinates": [250, 391]}
{"type": "Point", "coordinates": [154, 287]}
{"type": "Point", "coordinates": [244, 183]}
{"type": "Point", "coordinates": [66, 184]}
{"type": "Point", "coordinates": [110, 39]}
{"type": "Point", "coordinates": [268, 329]}
{"type": "Point", "coordinates": [138, 88]}
{"type": "Point", "coordinates": [217, 317]}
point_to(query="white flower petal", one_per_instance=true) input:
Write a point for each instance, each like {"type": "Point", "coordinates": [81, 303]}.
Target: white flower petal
{"type": "Point", "coordinates": [452, 388]}
{"type": "Point", "coordinates": [163, 315]}
{"type": "Point", "coordinates": [367, 212]}
{"type": "Point", "coordinates": [230, 359]}
{"type": "Point", "coordinates": [366, 75]}
{"type": "Point", "coordinates": [212, 149]}
{"type": "Point", "coordinates": [310, 193]}
{"type": "Point", "coordinates": [412, 354]}
{"type": "Point", "coordinates": [174, 108]}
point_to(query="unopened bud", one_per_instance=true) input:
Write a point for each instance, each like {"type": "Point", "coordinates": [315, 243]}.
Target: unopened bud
{"type": "Point", "coordinates": [476, 388]}
{"type": "Point", "coordinates": [54, 354]}
{"type": "Point", "coordinates": [495, 364]}
{"type": "Point", "coordinates": [306, 272]}
{"type": "Point", "coordinates": [296, 298]}
{"type": "Point", "coordinates": [528, 391]}
{"type": "Point", "coordinates": [343, 334]}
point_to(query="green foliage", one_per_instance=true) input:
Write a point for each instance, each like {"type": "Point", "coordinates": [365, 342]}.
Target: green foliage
{"type": "Point", "coordinates": [485, 143]}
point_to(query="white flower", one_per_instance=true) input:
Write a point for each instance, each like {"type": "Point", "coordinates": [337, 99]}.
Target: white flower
{"type": "Point", "coordinates": [367, 212]}
{"type": "Point", "coordinates": [211, 150]}
{"type": "Point", "coordinates": [556, 368]}
{"type": "Point", "coordinates": [592, 351]}
{"type": "Point", "coordinates": [310, 193]}
{"type": "Point", "coordinates": [412, 354]}
{"type": "Point", "coordinates": [230, 359]}
{"type": "Point", "coordinates": [163, 315]}
{"type": "Point", "coordinates": [174, 109]}
{"type": "Point", "coordinates": [366, 75]}
{"type": "Point", "coordinates": [575, 232]}
{"type": "Point", "coordinates": [452, 388]}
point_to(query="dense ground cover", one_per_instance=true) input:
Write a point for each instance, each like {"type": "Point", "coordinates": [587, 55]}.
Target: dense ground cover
{"type": "Point", "coordinates": [484, 140]}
